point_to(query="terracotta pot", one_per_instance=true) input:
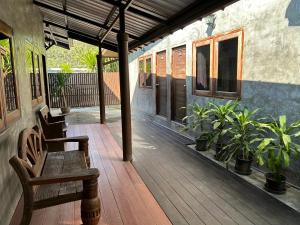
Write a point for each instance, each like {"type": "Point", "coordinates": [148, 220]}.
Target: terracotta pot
{"type": "Point", "coordinates": [65, 110]}
{"type": "Point", "coordinates": [276, 186]}
{"type": "Point", "coordinates": [243, 166]}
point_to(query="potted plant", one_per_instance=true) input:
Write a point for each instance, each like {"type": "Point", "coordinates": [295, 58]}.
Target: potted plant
{"type": "Point", "coordinates": [199, 115]}
{"type": "Point", "coordinates": [244, 134]}
{"type": "Point", "coordinates": [277, 151]}
{"type": "Point", "coordinates": [220, 115]}
{"type": "Point", "coordinates": [60, 87]}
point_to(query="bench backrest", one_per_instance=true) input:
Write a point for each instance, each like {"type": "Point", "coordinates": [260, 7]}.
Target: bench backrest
{"type": "Point", "coordinates": [44, 114]}
{"type": "Point", "coordinates": [31, 155]}
{"type": "Point", "coordinates": [29, 162]}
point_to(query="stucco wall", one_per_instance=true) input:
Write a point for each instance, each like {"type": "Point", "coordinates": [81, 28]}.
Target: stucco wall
{"type": "Point", "coordinates": [271, 63]}
{"type": "Point", "coordinates": [26, 21]}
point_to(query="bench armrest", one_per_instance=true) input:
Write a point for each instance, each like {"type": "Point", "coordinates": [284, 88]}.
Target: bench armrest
{"type": "Point", "coordinates": [62, 123]}
{"type": "Point", "coordinates": [68, 139]}
{"type": "Point", "coordinates": [82, 140]}
{"type": "Point", "coordinates": [56, 118]}
{"type": "Point", "coordinates": [81, 175]}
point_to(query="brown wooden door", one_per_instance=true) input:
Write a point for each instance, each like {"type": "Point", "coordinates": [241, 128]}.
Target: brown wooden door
{"type": "Point", "coordinates": [178, 83]}
{"type": "Point", "coordinates": [161, 84]}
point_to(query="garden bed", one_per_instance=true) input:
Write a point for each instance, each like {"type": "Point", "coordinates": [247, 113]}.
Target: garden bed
{"type": "Point", "coordinates": [290, 199]}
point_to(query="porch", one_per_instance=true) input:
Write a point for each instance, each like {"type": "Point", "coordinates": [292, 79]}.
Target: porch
{"type": "Point", "coordinates": [165, 184]}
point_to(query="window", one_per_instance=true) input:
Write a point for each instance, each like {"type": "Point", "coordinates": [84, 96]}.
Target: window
{"type": "Point", "coordinates": [217, 69]}
{"type": "Point", "coordinates": [33, 69]}
{"type": "Point", "coordinates": [145, 72]}
{"type": "Point", "coordinates": [9, 102]}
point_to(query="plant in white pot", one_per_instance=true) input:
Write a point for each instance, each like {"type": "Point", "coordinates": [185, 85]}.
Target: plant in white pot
{"type": "Point", "coordinates": [244, 134]}
{"type": "Point", "coordinates": [276, 151]}
{"type": "Point", "coordinates": [199, 116]}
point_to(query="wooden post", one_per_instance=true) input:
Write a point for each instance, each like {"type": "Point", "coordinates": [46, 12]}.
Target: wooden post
{"type": "Point", "coordinates": [101, 87]}
{"type": "Point", "coordinates": [124, 88]}
{"type": "Point", "coordinates": [46, 85]}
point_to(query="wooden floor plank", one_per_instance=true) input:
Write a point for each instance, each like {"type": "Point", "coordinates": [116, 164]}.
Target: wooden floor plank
{"type": "Point", "coordinates": [229, 201]}
{"type": "Point", "coordinates": [125, 199]}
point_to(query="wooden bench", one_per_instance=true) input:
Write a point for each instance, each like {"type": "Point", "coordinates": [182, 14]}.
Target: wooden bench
{"type": "Point", "coordinates": [52, 178]}
{"type": "Point", "coordinates": [53, 126]}
{"type": "Point", "coordinates": [50, 144]}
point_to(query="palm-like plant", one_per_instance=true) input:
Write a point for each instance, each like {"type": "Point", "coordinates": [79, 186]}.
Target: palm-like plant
{"type": "Point", "coordinates": [196, 121]}
{"type": "Point", "coordinates": [61, 85]}
{"type": "Point", "coordinates": [221, 114]}
{"type": "Point", "coordinates": [279, 148]}
{"type": "Point", "coordinates": [198, 116]}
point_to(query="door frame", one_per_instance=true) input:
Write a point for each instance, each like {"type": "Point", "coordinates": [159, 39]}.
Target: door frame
{"type": "Point", "coordinates": [173, 84]}
{"type": "Point", "coordinates": [157, 90]}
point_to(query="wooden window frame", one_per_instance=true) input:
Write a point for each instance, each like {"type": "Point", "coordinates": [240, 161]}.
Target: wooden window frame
{"type": "Point", "coordinates": [9, 117]}
{"type": "Point", "coordinates": [39, 99]}
{"type": "Point", "coordinates": [196, 44]}
{"type": "Point", "coordinates": [144, 58]}
{"type": "Point", "coordinates": [214, 43]}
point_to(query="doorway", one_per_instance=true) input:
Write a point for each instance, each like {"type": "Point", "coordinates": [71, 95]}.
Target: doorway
{"type": "Point", "coordinates": [178, 83]}
{"type": "Point", "coordinates": [161, 84]}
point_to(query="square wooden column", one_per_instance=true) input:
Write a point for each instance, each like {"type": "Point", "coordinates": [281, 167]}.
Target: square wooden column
{"type": "Point", "coordinates": [101, 87]}
{"type": "Point", "coordinates": [124, 89]}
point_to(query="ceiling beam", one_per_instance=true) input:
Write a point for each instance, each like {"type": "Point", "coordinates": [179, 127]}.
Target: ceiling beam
{"type": "Point", "coordinates": [115, 20]}
{"type": "Point", "coordinates": [56, 35]}
{"type": "Point", "coordinates": [110, 15]}
{"type": "Point", "coordinates": [193, 12]}
{"type": "Point", "coordinates": [91, 40]}
{"type": "Point", "coordinates": [58, 43]}
{"type": "Point", "coordinates": [84, 37]}
{"type": "Point", "coordinates": [61, 11]}
{"type": "Point", "coordinates": [140, 12]}
{"type": "Point", "coordinates": [52, 36]}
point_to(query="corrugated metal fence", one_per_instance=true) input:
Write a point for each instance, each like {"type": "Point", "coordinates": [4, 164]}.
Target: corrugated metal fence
{"type": "Point", "coordinates": [82, 90]}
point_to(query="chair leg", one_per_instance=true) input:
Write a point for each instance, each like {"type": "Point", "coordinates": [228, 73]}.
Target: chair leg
{"type": "Point", "coordinates": [90, 204]}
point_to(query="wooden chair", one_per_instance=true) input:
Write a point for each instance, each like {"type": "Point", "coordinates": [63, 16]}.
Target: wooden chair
{"type": "Point", "coordinates": [52, 178]}
{"type": "Point", "coordinates": [53, 127]}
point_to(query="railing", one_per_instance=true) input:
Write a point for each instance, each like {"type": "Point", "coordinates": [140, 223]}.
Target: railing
{"type": "Point", "coordinates": [10, 92]}
{"type": "Point", "coordinates": [82, 90]}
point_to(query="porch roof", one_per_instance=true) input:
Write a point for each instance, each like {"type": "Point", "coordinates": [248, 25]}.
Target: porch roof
{"type": "Point", "coordinates": [146, 20]}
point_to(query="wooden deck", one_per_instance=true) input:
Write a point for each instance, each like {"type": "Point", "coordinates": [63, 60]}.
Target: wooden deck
{"type": "Point", "coordinates": [191, 190]}
{"type": "Point", "coordinates": [124, 197]}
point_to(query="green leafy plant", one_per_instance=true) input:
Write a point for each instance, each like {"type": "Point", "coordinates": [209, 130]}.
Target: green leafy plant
{"type": "Point", "coordinates": [221, 115]}
{"type": "Point", "coordinates": [61, 86]}
{"type": "Point", "coordinates": [278, 149]}
{"type": "Point", "coordinates": [6, 57]}
{"type": "Point", "coordinates": [66, 68]}
{"type": "Point", "coordinates": [88, 58]}
{"type": "Point", "coordinates": [199, 115]}
{"type": "Point", "coordinates": [196, 120]}
{"type": "Point", "coordinates": [244, 132]}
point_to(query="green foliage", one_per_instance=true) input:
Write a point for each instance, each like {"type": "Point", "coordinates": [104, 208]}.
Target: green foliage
{"type": "Point", "coordinates": [80, 55]}
{"type": "Point", "coordinates": [112, 67]}
{"type": "Point", "coordinates": [221, 115]}
{"type": "Point", "coordinates": [244, 132]}
{"type": "Point", "coordinates": [277, 149]}
{"type": "Point", "coordinates": [89, 60]}
{"type": "Point", "coordinates": [66, 68]}
{"type": "Point", "coordinates": [61, 86]}
{"type": "Point", "coordinates": [6, 62]}
{"type": "Point", "coordinates": [199, 115]}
